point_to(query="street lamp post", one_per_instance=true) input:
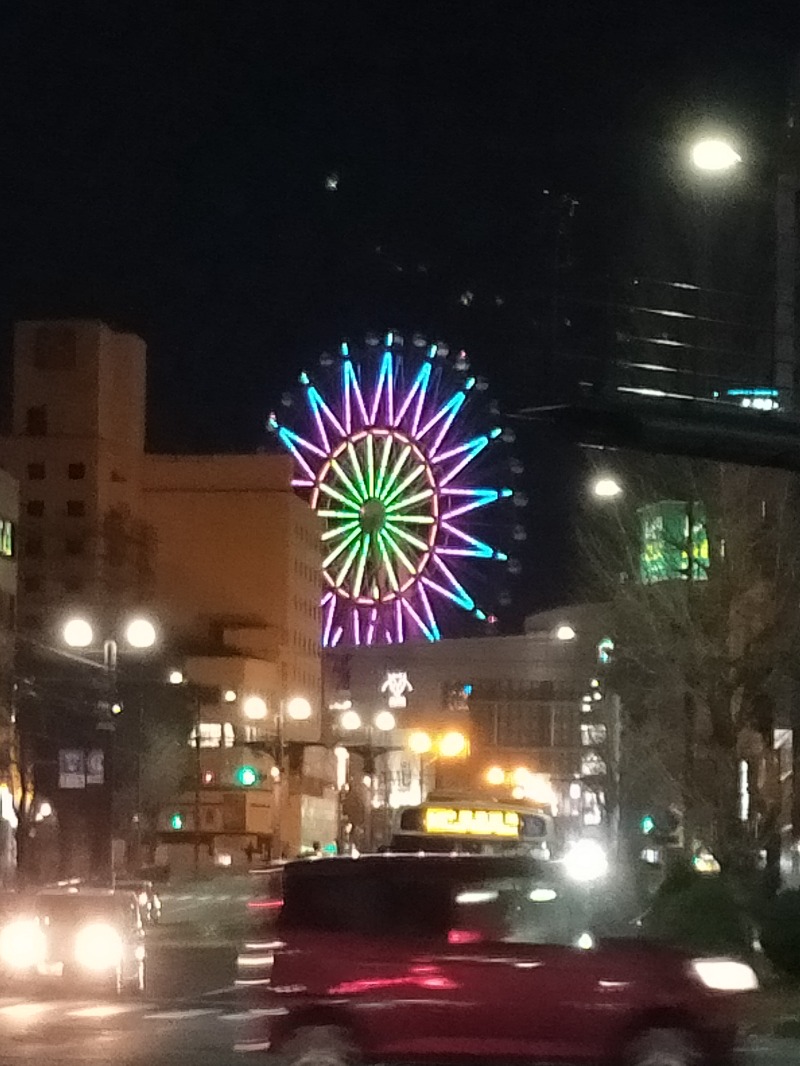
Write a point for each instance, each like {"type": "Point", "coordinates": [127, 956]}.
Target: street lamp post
{"type": "Point", "coordinates": [382, 722]}
{"type": "Point", "coordinates": [139, 635]}
{"type": "Point", "coordinates": [295, 709]}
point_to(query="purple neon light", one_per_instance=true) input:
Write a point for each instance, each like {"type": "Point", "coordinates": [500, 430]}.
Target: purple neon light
{"type": "Point", "coordinates": [387, 469]}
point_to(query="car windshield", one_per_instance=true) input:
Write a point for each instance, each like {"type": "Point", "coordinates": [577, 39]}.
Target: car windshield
{"type": "Point", "coordinates": [76, 908]}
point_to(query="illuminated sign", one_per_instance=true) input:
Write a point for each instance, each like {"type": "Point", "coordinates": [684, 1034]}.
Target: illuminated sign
{"type": "Point", "coordinates": [6, 538]}
{"type": "Point", "coordinates": [666, 540]}
{"type": "Point", "coordinates": [467, 822]}
{"type": "Point", "coordinates": [397, 685]}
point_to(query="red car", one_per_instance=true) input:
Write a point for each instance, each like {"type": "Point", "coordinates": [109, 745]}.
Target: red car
{"type": "Point", "coordinates": [441, 958]}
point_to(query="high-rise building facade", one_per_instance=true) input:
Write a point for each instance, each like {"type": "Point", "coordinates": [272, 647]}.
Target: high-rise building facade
{"type": "Point", "coordinates": [8, 597]}
{"type": "Point", "coordinates": [76, 448]}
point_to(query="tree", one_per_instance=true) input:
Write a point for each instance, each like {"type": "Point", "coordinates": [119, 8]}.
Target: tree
{"type": "Point", "coordinates": [706, 623]}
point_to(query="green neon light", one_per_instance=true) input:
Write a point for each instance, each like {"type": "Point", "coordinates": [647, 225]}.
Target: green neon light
{"type": "Point", "coordinates": [414, 519]}
{"type": "Point", "coordinates": [338, 531]}
{"type": "Point", "coordinates": [412, 477]}
{"type": "Point", "coordinates": [409, 537]}
{"type": "Point", "coordinates": [337, 468]}
{"type": "Point", "coordinates": [399, 552]}
{"type": "Point", "coordinates": [387, 562]}
{"type": "Point", "coordinates": [398, 466]}
{"type": "Point", "coordinates": [337, 551]}
{"type": "Point", "coordinates": [330, 491]}
{"type": "Point", "coordinates": [362, 562]}
{"type": "Point", "coordinates": [346, 565]}
{"type": "Point", "coordinates": [387, 448]}
{"type": "Point", "coordinates": [425, 494]}
{"type": "Point", "coordinates": [357, 470]}
{"type": "Point", "coordinates": [370, 466]}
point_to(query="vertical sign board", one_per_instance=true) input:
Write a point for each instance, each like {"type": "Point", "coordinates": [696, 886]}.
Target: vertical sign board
{"type": "Point", "coordinates": [95, 767]}
{"type": "Point", "coordinates": [665, 541]}
{"type": "Point", "coordinates": [71, 768]}
{"type": "Point", "coordinates": [6, 538]}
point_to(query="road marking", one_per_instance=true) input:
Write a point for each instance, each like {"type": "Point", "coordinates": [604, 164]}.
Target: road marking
{"type": "Point", "coordinates": [179, 1015]}
{"type": "Point", "coordinates": [104, 1010]}
{"type": "Point", "coordinates": [24, 1010]}
{"type": "Point", "coordinates": [246, 1015]}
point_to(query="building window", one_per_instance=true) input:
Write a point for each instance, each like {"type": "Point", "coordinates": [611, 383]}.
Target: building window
{"type": "Point", "coordinates": [35, 471]}
{"type": "Point", "coordinates": [73, 583]}
{"type": "Point", "coordinates": [6, 539]}
{"type": "Point", "coordinates": [74, 545]}
{"type": "Point", "coordinates": [76, 508]}
{"type": "Point", "coordinates": [36, 421]}
{"type": "Point", "coordinates": [76, 471]}
{"type": "Point", "coordinates": [35, 508]}
{"type": "Point", "coordinates": [34, 548]}
{"type": "Point", "coordinates": [33, 583]}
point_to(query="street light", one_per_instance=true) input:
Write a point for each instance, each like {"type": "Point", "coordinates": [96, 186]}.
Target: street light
{"type": "Point", "coordinates": [420, 742]}
{"type": "Point", "coordinates": [298, 709]}
{"type": "Point", "coordinates": [565, 632]}
{"type": "Point", "coordinates": [714, 154]}
{"type": "Point", "coordinates": [495, 775]}
{"type": "Point", "coordinates": [606, 487]}
{"type": "Point", "coordinates": [140, 633]}
{"type": "Point", "coordinates": [453, 744]}
{"type": "Point", "coordinates": [255, 708]}
{"type": "Point", "coordinates": [77, 633]}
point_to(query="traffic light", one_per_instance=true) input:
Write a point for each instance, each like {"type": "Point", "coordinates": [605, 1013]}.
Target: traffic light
{"type": "Point", "coordinates": [247, 776]}
{"type": "Point", "coordinates": [663, 828]}
{"type": "Point", "coordinates": [176, 821]}
{"type": "Point", "coordinates": [647, 824]}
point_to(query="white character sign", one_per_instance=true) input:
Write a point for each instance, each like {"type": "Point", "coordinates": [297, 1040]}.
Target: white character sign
{"type": "Point", "coordinates": [397, 685]}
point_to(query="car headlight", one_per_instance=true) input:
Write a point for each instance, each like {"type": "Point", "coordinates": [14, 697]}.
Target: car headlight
{"type": "Point", "coordinates": [142, 899]}
{"type": "Point", "coordinates": [586, 860]}
{"type": "Point", "coordinates": [22, 944]}
{"type": "Point", "coordinates": [98, 947]}
{"type": "Point", "coordinates": [725, 975]}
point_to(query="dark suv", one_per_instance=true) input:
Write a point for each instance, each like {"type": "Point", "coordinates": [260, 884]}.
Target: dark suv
{"type": "Point", "coordinates": [450, 958]}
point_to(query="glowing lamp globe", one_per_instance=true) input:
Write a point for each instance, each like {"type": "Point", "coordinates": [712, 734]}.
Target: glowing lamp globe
{"type": "Point", "coordinates": [385, 721]}
{"type": "Point", "coordinates": [255, 708]}
{"type": "Point", "coordinates": [78, 633]}
{"type": "Point", "coordinates": [140, 633]}
{"type": "Point", "coordinates": [495, 775]}
{"type": "Point", "coordinates": [298, 709]}
{"type": "Point", "coordinates": [452, 745]}
{"type": "Point", "coordinates": [714, 154]}
{"type": "Point", "coordinates": [420, 743]}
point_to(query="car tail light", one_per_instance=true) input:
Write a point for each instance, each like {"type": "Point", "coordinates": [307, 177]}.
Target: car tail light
{"type": "Point", "coordinates": [265, 904]}
{"type": "Point", "coordinates": [464, 936]}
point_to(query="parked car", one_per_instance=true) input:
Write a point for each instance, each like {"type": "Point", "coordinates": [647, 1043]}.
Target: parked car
{"type": "Point", "coordinates": [426, 958]}
{"type": "Point", "coordinates": [149, 899]}
{"type": "Point", "coordinates": [83, 937]}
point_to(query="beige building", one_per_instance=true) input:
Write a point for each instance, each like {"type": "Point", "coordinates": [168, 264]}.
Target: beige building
{"type": "Point", "coordinates": [76, 448]}
{"type": "Point", "coordinates": [218, 550]}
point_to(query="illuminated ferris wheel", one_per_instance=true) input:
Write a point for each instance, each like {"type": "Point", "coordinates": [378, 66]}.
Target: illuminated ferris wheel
{"type": "Point", "coordinates": [387, 466]}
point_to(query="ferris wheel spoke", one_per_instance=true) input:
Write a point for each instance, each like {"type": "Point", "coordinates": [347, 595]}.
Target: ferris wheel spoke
{"type": "Point", "coordinates": [399, 463]}
{"type": "Point", "coordinates": [459, 594]}
{"type": "Point", "coordinates": [414, 519]}
{"type": "Point", "coordinates": [486, 550]}
{"type": "Point", "coordinates": [337, 551]}
{"type": "Point", "coordinates": [409, 501]}
{"type": "Point", "coordinates": [386, 556]}
{"type": "Point", "coordinates": [476, 498]}
{"type": "Point", "coordinates": [348, 513]}
{"type": "Point", "coordinates": [408, 537]}
{"type": "Point", "coordinates": [339, 530]}
{"type": "Point", "coordinates": [339, 470]}
{"type": "Point", "coordinates": [446, 412]}
{"type": "Point", "coordinates": [327, 626]}
{"type": "Point", "coordinates": [362, 562]}
{"type": "Point", "coordinates": [408, 480]}
{"type": "Point", "coordinates": [370, 478]}
{"type": "Point", "coordinates": [352, 391]}
{"type": "Point", "coordinates": [423, 628]}
{"type": "Point", "coordinates": [418, 389]}
{"type": "Point", "coordinates": [399, 551]}
{"type": "Point", "coordinates": [329, 490]}
{"type": "Point", "coordinates": [345, 567]}
{"type": "Point", "coordinates": [387, 450]}
{"type": "Point", "coordinates": [385, 382]}
{"type": "Point", "coordinates": [426, 603]}
{"type": "Point", "coordinates": [356, 467]}
{"type": "Point", "coordinates": [476, 447]}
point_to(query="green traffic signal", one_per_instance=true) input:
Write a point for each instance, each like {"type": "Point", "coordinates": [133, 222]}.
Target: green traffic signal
{"type": "Point", "coordinates": [648, 824]}
{"type": "Point", "coordinates": [176, 821]}
{"type": "Point", "coordinates": [247, 776]}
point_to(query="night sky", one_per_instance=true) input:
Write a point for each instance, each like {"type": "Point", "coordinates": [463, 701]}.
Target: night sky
{"type": "Point", "coordinates": [167, 166]}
